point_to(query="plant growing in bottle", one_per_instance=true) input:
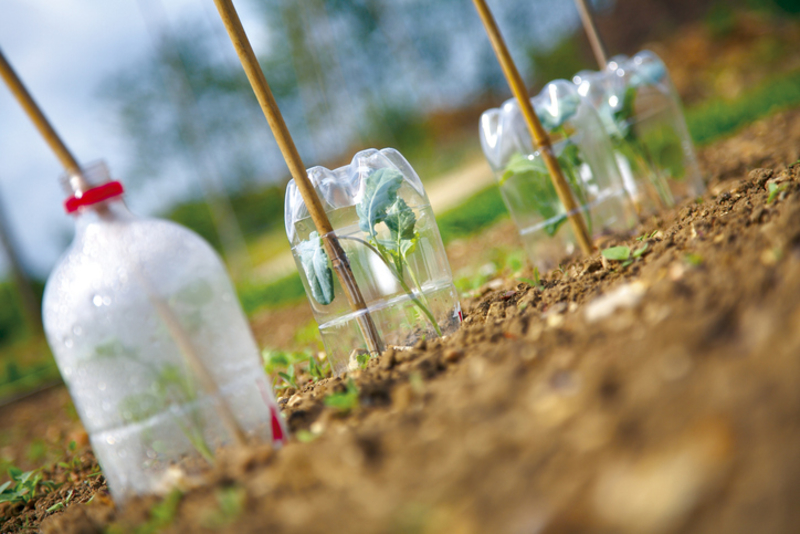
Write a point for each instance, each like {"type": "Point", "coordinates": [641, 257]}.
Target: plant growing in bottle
{"type": "Point", "coordinates": [641, 112]}
{"type": "Point", "coordinates": [586, 160]}
{"type": "Point", "coordinates": [383, 220]}
{"type": "Point", "coordinates": [152, 343]}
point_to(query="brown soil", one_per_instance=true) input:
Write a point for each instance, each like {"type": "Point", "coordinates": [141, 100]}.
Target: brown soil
{"type": "Point", "coordinates": [676, 412]}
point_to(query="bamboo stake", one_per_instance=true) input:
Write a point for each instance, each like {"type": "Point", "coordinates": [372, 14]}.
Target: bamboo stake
{"type": "Point", "coordinates": [68, 161]}
{"type": "Point", "coordinates": [538, 133]}
{"type": "Point", "coordinates": [589, 24]}
{"type": "Point", "coordinates": [269, 106]}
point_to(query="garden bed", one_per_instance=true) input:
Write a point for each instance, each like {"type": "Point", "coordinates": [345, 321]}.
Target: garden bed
{"type": "Point", "coordinates": [654, 396]}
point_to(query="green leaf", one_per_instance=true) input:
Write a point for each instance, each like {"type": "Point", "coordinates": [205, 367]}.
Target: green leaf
{"type": "Point", "coordinates": [401, 220]}
{"type": "Point", "coordinates": [344, 401]}
{"type": "Point", "coordinates": [617, 253]}
{"type": "Point", "coordinates": [774, 190]}
{"type": "Point", "coordinates": [4, 487]}
{"type": "Point", "coordinates": [664, 146]}
{"type": "Point", "coordinates": [380, 193]}
{"type": "Point", "coordinates": [315, 264]}
{"type": "Point", "coordinates": [533, 186]}
{"type": "Point", "coordinates": [639, 251]}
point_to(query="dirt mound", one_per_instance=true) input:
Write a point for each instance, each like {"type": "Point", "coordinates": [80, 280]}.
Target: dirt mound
{"type": "Point", "coordinates": [657, 396]}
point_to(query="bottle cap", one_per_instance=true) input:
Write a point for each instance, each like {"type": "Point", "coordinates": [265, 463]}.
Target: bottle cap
{"type": "Point", "coordinates": [93, 196]}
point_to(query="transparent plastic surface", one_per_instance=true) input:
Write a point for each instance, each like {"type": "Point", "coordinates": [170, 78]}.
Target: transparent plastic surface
{"type": "Point", "coordinates": [587, 161]}
{"type": "Point", "coordinates": [642, 113]}
{"type": "Point", "coordinates": [382, 218]}
{"type": "Point", "coordinates": [150, 339]}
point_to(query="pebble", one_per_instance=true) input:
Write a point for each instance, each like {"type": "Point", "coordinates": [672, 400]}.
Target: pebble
{"type": "Point", "coordinates": [453, 355]}
{"type": "Point", "coordinates": [626, 296]}
{"type": "Point", "coordinates": [675, 363]}
{"type": "Point", "coordinates": [295, 401]}
{"type": "Point", "coordinates": [656, 492]}
{"type": "Point", "coordinates": [496, 311]}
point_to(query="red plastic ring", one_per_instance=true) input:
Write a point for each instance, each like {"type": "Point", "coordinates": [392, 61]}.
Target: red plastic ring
{"type": "Point", "coordinates": [93, 196]}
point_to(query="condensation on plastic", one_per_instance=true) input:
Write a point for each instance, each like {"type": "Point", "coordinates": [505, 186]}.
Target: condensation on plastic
{"type": "Point", "coordinates": [653, 146]}
{"type": "Point", "coordinates": [400, 322]}
{"type": "Point", "coordinates": [575, 129]}
{"type": "Point", "coordinates": [148, 417]}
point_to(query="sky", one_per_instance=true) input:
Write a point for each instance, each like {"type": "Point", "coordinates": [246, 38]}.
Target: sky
{"type": "Point", "coordinates": [62, 50]}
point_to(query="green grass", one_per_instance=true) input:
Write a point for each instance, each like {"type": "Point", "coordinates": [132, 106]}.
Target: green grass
{"type": "Point", "coordinates": [256, 296]}
{"type": "Point", "coordinates": [719, 117]}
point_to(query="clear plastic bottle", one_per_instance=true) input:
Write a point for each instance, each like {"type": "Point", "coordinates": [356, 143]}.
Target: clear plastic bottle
{"type": "Point", "coordinates": [642, 113]}
{"type": "Point", "coordinates": [383, 220]}
{"type": "Point", "coordinates": [150, 339]}
{"type": "Point", "coordinates": [587, 161]}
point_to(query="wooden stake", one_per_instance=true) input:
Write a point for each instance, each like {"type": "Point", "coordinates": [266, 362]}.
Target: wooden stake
{"type": "Point", "coordinates": [261, 88]}
{"type": "Point", "coordinates": [538, 133]}
{"type": "Point", "coordinates": [77, 180]}
{"type": "Point", "coordinates": [598, 47]}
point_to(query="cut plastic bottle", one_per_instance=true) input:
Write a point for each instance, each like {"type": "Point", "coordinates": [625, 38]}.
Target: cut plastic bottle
{"type": "Point", "coordinates": [587, 162]}
{"type": "Point", "coordinates": [151, 340]}
{"type": "Point", "coordinates": [642, 113]}
{"type": "Point", "coordinates": [383, 220]}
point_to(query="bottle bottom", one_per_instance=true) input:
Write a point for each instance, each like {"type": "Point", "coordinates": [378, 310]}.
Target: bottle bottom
{"type": "Point", "coordinates": [400, 321]}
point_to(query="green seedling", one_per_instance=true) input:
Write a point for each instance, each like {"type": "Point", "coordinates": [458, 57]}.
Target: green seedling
{"type": "Point", "coordinates": [171, 384]}
{"type": "Point", "coordinates": [60, 505]}
{"type": "Point", "coordinates": [532, 181]}
{"type": "Point", "coordinates": [344, 401]}
{"type": "Point", "coordinates": [621, 253]}
{"type": "Point", "coordinates": [305, 436]}
{"type": "Point", "coordinates": [693, 259]}
{"type": "Point", "coordinates": [162, 515]}
{"type": "Point", "coordinates": [658, 149]}
{"type": "Point", "coordinates": [290, 381]}
{"type": "Point", "coordinates": [536, 282]}
{"type": "Point", "coordinates": [283, 364]}
{"type": "Point", "coordinates": [774, 190]}
{"type": "Point", "coordinates": [645, 237]}
{"type": "Point", "coordinates": [23, 486]}
{"type": "Point", "coordinates": [380, 204]}
{"type": "Point", "coordinates": [624, 254]}
{"type": "Point", "coordinates": [230, 505]}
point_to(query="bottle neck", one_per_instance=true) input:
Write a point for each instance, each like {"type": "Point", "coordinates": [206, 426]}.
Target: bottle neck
{"type": "Point", "coordinates": [110, 211]}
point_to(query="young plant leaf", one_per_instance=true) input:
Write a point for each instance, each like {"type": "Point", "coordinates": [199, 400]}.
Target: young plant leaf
{"type": "Point", "coordinates": [617, 253]}
{"type": "Point", "coordinates": [315, 264]}
{"type": "Point", "coordinates": [774, 190]}
{"type": "Point", "coordinates": [380, 193]}
{"type": "Point", "coordinates": [639, 251]}
{"type": "Point", "coordinates": [401, 220]}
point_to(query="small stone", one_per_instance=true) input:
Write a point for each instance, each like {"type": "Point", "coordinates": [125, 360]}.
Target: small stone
{"type": "Point", "coordinates": [453, 355]}
{"type": "Point", "coordinates": [352, 362]}
{"type": "Point", "coordinates": [676, 271]}
{"type": "Point", "coordinates": [402, 396]}
{"type": "Point", "coordinates": [623, 297]}
{"type": "Point", "coordinates": [295, 401]}
{"type": "Point", "coordinates": [534, 331]}
{"type": "Point", "coordinates": [656, 492]}
{"type": "Point", "coordinates": [496, 311]}
{"type": "Point", "coordinates": [495, 284]}
{"type": "Point", "coordinates": [388, 359]}
{"type": "Point", "coordinates": [555, 320]}
{"type": "Point", "coordinates": [675, 364]}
